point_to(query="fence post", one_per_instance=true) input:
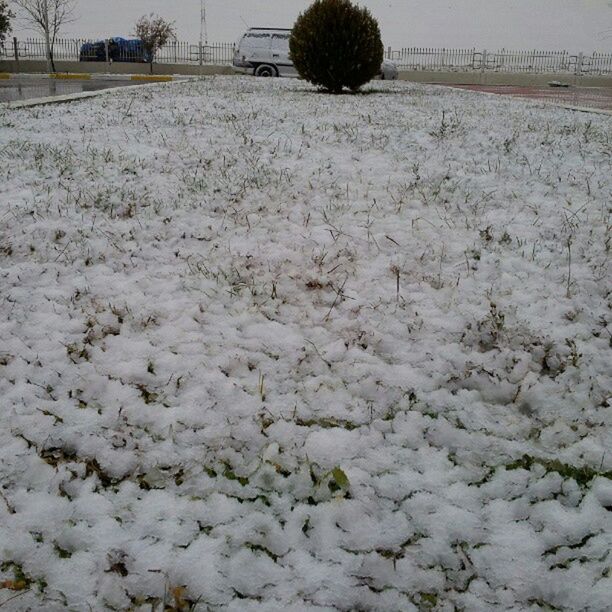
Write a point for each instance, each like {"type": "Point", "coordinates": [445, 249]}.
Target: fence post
{"type": "Point", "coordinates": [483, 61]}
{"type": "Point", "coordinates": [106, 53]}
{"type": "Point", "coordinates": [16, 51]}
{"type": "Point", "coordinates": [201, 57]}
{"type": "Point", "coordinates": [579, 63]}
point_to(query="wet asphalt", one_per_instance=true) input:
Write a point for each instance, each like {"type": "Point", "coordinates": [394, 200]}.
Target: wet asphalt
{"type": "Point", "coordinates": [587, 97]}
{"type": "Point", "coordinates": [12, 90]}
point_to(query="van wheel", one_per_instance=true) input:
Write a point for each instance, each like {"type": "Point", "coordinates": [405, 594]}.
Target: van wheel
{"type": "Point", "coordinates": [265, 70]}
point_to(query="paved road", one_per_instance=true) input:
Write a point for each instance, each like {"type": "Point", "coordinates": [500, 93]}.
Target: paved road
{"type": "Point", "coordinates": [28, 88]}
{"type": "Point", "coordinates": [591, 97]}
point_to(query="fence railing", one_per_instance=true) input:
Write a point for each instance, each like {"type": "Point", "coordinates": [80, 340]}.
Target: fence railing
{"type": "Point", "coordinates": [408, 58]}
{"type": "Point", "coordinates": [421, 58]}
{"type": "Point", "coordinates": [532, 61]}
{"type": "Point", "coordinates": [538, 62]}
{"type": "Point", "coordinates": [69, 49]}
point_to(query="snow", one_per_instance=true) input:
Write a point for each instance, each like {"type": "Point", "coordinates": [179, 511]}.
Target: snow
{"type": "Point", "coordinates": [267, 349]}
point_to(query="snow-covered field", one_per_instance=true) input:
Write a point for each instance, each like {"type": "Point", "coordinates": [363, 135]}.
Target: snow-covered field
{"type": "Point", "coordinates": [267, 349]}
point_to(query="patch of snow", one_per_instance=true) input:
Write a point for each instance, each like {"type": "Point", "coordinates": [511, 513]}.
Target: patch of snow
{"type": "Point", "coordinates": [266, 349]}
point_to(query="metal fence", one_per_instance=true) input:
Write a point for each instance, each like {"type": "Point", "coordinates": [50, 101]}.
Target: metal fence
{"type": "Point", "coordinates": [70, 49]}
{"type": "Point", "coordinates": [186, 53]}
{"type": "Point", "coordinates": [531, 61]}
{"type": "Point", "coordinates": [534, 62]}
{"type": "Point", "coordinates": [408, 58]}
{"type": "Point", "coordinates": [422, 58]}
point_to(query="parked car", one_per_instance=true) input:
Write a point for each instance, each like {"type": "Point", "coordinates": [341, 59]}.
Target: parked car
{"type": "Point", "coordinates": [119, 50]}
{"type": "Point", "coordinates": [93, 52]}
{"type": "Point", "coordinates": [264, 52]}
{"type": "Point", "coordinates": [388, 71]}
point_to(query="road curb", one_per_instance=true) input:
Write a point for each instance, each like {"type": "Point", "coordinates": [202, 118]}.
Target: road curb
{"type": "Point", "coordinates": [152, 77]}
{"type": "Point", "coordinates": [65, 76]}
{"type": "Point", "coordinates": [92, 76]}
{"type": "Point", "coordinates": [581, 109]}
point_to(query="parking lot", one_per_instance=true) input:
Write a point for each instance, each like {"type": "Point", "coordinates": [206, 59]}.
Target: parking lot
{"type": "Point", "coordinates": [31, 87]}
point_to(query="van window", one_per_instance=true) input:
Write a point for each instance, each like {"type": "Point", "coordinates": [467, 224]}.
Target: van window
{"type": "Point", "coordinates": [280, 42]}
{"type": "Point", "coordinates": [257, 35]}
{"type": "Point", "coordinates": [257, 40]}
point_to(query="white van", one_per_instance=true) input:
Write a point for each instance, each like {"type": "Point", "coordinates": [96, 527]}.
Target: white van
{"type": "Point", "coordinates": [265, 52]}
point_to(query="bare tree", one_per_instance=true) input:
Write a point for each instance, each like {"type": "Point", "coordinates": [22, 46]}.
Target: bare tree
{"type": "Point", "coordinates": [48, 17]}
{"type": "Point", "coordinates": [154, 32]}
{"type": "Point", "coordinates": [5, 20]}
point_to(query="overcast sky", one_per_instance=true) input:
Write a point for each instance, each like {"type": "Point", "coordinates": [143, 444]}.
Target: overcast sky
{"type": "Point", "coordinates": [575, 25]}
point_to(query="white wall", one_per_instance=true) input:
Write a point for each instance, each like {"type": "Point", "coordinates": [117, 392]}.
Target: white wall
{"type": "Point", "coordinates": [524, 24]}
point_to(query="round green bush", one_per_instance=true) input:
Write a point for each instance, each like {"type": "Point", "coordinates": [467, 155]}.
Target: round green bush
{"type": "Point", "coordinates": [335, 44]}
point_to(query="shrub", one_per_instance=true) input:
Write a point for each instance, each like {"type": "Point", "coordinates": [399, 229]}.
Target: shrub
{"type": "Point", "coordinates": [335, 44]}
{"type": "Point", "coordinates": [154, 32]}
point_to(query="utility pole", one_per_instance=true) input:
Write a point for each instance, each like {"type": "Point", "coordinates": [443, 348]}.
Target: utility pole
{"type": "Point", "coordinates": [47, 34]}
{"type": "Point", "coordinates": [203, 30]}
{"type": "Point", "coordinates": [203, 27]}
